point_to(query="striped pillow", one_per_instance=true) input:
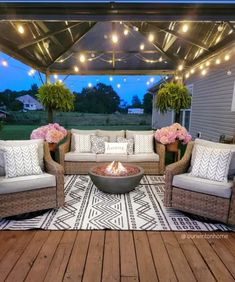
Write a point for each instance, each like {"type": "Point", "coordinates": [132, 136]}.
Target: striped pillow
{"type": "Point", "coordinates": [143, 144]}
{"type": "Point", "coordinates": [211, 163]}
{"type": "Point", "coordinates": [21, 160]}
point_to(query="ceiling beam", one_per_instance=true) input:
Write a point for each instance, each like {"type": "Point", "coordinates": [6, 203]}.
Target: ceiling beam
{"type": "Point", "coordinates": [83, 11]}
{"type": "Point", "coordinates": [231, 26]}
{"type": "Point", "coordinates": [187, 38]}
{"type": "Point", "coordinates": [114, 72]}
{"type": "Point", "coordinates": [45, 36]}
{"type": "Point", "coordinates": [84, 33]}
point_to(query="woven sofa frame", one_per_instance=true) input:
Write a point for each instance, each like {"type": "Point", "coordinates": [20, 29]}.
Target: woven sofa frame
{"type": "Point", "coordinates": [212, 207]}
{"type": "Point", "coordinates": [38, 199]}
{"type": "Point", "coordinates": [84, 167]}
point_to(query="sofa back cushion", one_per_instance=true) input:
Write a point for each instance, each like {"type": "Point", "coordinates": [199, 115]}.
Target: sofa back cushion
{"type": "Point", "coordinates": [215, 145]}
{"type": "Point", "coordinates": [82, 132]}
{"type": "Point", "coordinates": [111, 134]}
{"type": "Point", "coordinates": [39, 142]}
{"type": "Point", "coordinates": [131, 133]}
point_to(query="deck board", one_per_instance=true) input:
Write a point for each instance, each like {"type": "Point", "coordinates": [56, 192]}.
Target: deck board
{"type": "Point", "coordinates": [125, 256]}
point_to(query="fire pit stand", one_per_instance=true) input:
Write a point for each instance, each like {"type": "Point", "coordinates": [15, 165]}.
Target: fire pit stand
{"type": "Point", "coordinates": [116, 184]}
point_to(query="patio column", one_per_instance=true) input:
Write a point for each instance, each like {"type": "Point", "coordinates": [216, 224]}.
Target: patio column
{"type": "Point", "coordinates": [47, 77]}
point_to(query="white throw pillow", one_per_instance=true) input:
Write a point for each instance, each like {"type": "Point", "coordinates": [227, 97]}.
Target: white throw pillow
{"type": "Point", "coordinates": [115, 148]}
{"type": "Point", "coordinates": [143, 144]}
{"type": "Point", "coordinates": [82, 143]}
{"type": "Point", "coordinates": [130, 144]}
{"type": "Point", "coordinates": [21, 160]}
{"type": "Point", "coordinates": [211, 163]}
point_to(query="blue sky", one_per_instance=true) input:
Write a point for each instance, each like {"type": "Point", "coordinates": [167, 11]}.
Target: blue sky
{"type": "Point", "coordinates": [15, 77]}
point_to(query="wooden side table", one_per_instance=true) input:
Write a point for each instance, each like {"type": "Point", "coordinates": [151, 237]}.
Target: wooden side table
{"type": "Point", "coordinates": [173, 148]}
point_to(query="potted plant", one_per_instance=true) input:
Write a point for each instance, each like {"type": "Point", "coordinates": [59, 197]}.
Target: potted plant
{"type": "Point", "coordinates": [53, 133]}
{"type": "Point", "coordinates": [55, 97]}
{"type": "Point", "coordinates": [172, 135]}
{"type": "Point", "coordinates": [173, 96]}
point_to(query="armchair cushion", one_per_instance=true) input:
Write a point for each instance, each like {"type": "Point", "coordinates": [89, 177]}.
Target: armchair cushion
{"type": "Point", "coordinates": [21, 160]}
{"type": "Point", "coordinates": [200, 185]}
{"type": "Point", "coordinates": [26, 183]}
{"type": "Point", "coordinates": [212, 163]}
{"type": "Point", "coordinates": [39, 142]}
{"type": "Point", "coordinates": [216, 145]}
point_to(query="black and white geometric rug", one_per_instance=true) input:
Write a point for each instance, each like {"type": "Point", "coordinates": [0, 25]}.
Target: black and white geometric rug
{"type": "Point", "coordinates": [88, 208]}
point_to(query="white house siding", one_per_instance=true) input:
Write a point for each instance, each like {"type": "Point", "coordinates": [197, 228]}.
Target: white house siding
{"type": "Point", "coordinates": [211, 102]}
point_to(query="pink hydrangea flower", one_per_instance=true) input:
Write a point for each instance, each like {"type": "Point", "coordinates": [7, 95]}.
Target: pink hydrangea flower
{"type": "Point", "coordinates": [170, 134]}
{"type": "Point", "coordinates": [52, 133]}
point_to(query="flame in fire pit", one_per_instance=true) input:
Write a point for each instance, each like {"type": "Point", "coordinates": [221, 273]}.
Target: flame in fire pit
{"type": "Point", "coordinates": [115, 168]}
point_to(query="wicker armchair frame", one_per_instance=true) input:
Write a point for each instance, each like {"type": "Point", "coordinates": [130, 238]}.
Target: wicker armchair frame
{"type": "Point", "coordinates": [84, 167]}
{"type": "Point", "coordinates": [212, 207]}
{"type": "Point", "coordinates": [38, 199]}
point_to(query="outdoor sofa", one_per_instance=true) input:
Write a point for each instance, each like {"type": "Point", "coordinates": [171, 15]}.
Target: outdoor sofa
{"type": "Point", "coordinates": [80, 163]}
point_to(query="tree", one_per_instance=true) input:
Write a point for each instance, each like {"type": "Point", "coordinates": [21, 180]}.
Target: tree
{"type": "Point", "coordinates": [55, 97]}
{"type": "Point", "coordinates": [135, 101]}
{"type": "Point", "coordinates": [173, 96]}
{"type": "Point", "coordinates": [16, 106]}
{"type": "Point", "coordinates": [98, 99]}
{"type": "Point", "coordinates": [148, 103]}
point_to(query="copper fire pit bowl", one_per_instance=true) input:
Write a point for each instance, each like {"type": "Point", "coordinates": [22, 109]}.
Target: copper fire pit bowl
{"type": "Point", "coordinates": [116, 184]}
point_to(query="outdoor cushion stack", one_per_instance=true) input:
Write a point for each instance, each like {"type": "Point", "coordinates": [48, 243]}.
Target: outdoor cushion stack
{"type": "Point", "coordinates": [105, 146]}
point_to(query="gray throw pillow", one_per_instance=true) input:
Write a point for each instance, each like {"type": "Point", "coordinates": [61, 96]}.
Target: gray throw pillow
{"type": "Point", "coordinates": [130, 144]}
{"type": "Point", "coordinates": [98, 144]}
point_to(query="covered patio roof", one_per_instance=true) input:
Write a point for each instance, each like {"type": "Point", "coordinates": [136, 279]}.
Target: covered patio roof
{"type": "Point", "coordinates": [79, 38]}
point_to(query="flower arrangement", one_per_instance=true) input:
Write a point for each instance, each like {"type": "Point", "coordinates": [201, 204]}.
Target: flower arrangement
{"type": "Point", "coordinates": [170, 134]}
{"type": "Point", "coordinates": [52, 133]}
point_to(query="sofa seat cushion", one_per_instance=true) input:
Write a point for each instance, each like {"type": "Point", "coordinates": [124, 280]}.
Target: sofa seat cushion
{"type": "Point", "coordinates": [80, 157]}
{"type": "Point", "coordinates": [26, 183]}
{"type": "Point", "coordinates": [111, 134]}
{"type": "Point", "coordinates": [205, 186]}
{"type": "Point", "coordinates": [153, 157]}
{"type": "Point", "coordinates": [111, 157]}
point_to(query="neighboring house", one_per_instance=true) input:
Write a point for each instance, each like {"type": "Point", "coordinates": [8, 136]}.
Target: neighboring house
{"type": "Point", "coordinates": [213, 102]}
{"type": "Point", "coordinates": [30, 103]}
{"type": "Point", "coordinates": [136, 111]}
{"type": "Point", "coordinates": [3, 114]}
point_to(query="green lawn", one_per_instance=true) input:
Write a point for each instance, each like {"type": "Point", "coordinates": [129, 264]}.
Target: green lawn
{"type": "Point", "coordinates": [21, 132]}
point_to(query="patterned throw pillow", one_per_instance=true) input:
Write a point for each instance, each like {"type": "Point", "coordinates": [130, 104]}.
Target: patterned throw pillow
{"type": "Point", "coordinates": [82, 143]}
{"type": "Point", "coordinates": [21, 160]}
{"type": "Point", "coordinates": [130, 144]}
{"type": "Point", "coordinates": [98, 144]}
{"type": "Point", "coordinates": [143, 144]}
{"type": "Point", "coordinates": [211, 163]}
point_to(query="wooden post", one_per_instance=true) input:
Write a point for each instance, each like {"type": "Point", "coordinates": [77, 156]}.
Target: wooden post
{"type": "Point", "coordinates": [48, 79]}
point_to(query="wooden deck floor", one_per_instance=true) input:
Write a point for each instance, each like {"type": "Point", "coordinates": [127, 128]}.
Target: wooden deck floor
{"type": "Point", "coordinates": [116, 256]}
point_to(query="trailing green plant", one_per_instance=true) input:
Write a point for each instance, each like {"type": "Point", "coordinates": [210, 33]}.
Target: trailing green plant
{"type": "Point", "coordinates": [173, 96]}
{"type": "Point", "coordinates": [55, 97]}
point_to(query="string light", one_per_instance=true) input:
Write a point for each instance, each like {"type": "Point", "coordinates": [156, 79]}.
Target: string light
{"type": "Point", "coordinates": [142, 46]}
{"type": "Point", "coordinates": [160, 59]}
{"type": "Point", "coordinates": [76, 69]}
{"type": "Point", "coordinates": [207, 64]}
{"type": "Point", "coordinates": [20, 29]}
{"type": "Point", "coordinates": [89, 85]}
{"type": "Point", "coordinates": [180, 67]}
{"type": "Point", "coordinates": [114, 38]}
{"type": "Point", "coordinates": [192, 71]}
{"type": "Point", "coordinates": [152, 79]}
{"type": "Point", "coordinates": [217, 61]}
{"type": "Point", "coordinates": [55, 76]}
{"type": "Point", "coordinates": [147, 82]}
{"type": "Point", "coordinates": [118, 85]}
{"type": "Point", "coordinates": [185, 28]}
{"type": "Point", "coordinates": [227, 57]}
{"type": "Point", "coordinates": [82, 58]}
{"type": "Point", "coordinates": [187, 75]}
{"type": "Point", "coordinates": [176, 77]}
{"type": "Point", "coordinates": [110, 78]}
{"type": "Point", "coordinates": [4, 63]}
{"type": "Point", "coordinates": [31, 72]}
{"type": "Point", "coordinates": [201, 67]}
{"type": "Point", "coordinates": [151, 37]}
{"type": "Point", "coordinates": [204, 72]}
{"type": "Point", "coordinates": [126, 31]}
{"type": "Point", "coordinates": [60, 81]}
{"type": "Point", "coordinates": [135, 28]}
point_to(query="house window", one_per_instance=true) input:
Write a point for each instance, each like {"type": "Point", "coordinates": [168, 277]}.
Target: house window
{"type": "Point", "coordinates": [27, 105]}
{"type": "Point", "coordinates": [185, 115]}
